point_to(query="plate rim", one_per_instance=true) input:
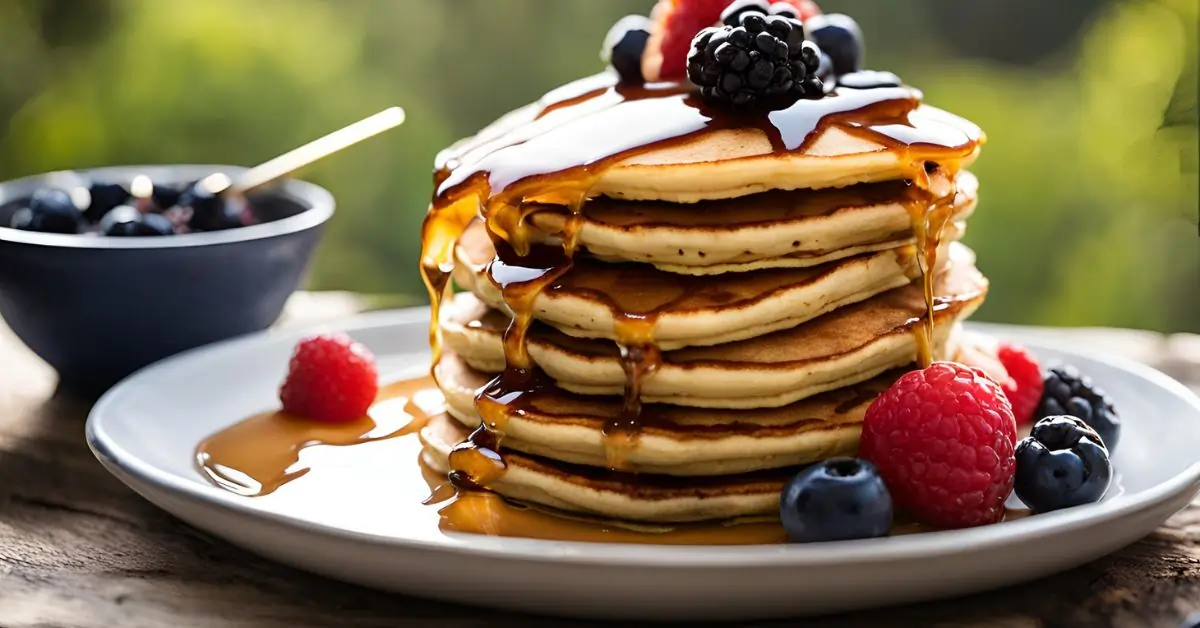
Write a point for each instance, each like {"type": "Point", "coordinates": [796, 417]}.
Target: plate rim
{"type": "Point", "coordinates": [118, 461]}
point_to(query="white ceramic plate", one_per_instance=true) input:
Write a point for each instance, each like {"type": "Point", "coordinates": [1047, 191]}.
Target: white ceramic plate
{"type": "Point", "coordinates": [146, 429]}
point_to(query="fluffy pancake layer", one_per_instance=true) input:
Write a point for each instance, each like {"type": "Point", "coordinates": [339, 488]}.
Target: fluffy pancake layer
{"type": "Point", "coordinates": [566, 472]}
{"type": "Point", "coordinates": [598, 492]}
{"type": "Point", "coordinates": [845, 347]}
{"type": "Point", "coordinates": [769, 230]}
{"type": "Point", "coordinates": [687, 311]}
{"type": "Point", "coordinates": [672, 440]}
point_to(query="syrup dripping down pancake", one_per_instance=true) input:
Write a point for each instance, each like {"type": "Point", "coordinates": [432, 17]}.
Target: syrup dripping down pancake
{"type": "Point", "coordinates": [847, 346]}
{"type": "Point", "coordinates": [617, 495]}
{"type": "Point", "coordinates": [687, 311]}
{"type": "Point", "coordinates": [672, 440]}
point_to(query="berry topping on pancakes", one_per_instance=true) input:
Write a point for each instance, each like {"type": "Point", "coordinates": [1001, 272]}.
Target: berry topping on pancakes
{"type": "Point", "coordinates": [764, 59]}
{"type": "Point", "coordinates": [678, 22]}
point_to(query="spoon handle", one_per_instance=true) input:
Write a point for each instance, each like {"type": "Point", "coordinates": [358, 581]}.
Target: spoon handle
{"type": "Point", "coordinates": [317, 149]}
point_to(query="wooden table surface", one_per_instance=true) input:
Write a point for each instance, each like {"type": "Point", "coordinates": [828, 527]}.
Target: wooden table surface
{"type": "Point", "coordinates": [77, 548]}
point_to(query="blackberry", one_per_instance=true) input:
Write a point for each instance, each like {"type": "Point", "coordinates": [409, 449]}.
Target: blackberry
{"type": "Point", "coordinates": [764, 61]}
{"type": "Point", "coordinates": [1067, 392]}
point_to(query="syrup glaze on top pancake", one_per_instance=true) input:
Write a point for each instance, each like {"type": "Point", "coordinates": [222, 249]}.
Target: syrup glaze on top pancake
{"type": "Point", "coordinates": [621, 133]}
{"type": "Point", "coordinates": [662, 141]}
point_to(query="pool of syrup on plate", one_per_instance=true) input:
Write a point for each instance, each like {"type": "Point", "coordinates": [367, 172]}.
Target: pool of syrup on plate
{"type": "Point", "coordinates": [369, 476]}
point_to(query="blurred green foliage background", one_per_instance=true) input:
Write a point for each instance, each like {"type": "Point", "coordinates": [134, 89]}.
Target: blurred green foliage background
{"type": "Point", "coordinates": [1089, 178]}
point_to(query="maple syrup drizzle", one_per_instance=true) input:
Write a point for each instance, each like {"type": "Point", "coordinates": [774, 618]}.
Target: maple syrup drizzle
{"type": "Point", "coordinates": [640, 358]}
{"type": "Point", "coordinates": [552, 152]}
{"type": "Point", "coordinates": [930, 216]}
{"type": "Point", "coordinates": [929, 210]}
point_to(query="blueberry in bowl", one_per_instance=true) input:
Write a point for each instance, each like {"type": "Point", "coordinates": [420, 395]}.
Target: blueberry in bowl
{"type": "Point", "coordinates": [99, 292]}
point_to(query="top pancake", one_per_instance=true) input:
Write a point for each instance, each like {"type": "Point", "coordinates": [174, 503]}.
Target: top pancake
{"type": "Point", "coordinates": [663, 143]}
{"type": "Point", "coordinates": [792, 229]}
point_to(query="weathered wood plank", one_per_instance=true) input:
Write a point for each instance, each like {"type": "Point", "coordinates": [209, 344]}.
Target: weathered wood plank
{"type": "Point", "coordinates": [79, 549]}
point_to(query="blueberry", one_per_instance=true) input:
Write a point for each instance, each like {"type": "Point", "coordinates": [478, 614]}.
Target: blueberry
{"type": "Point", "coordinates": [104, 197]}
{"type": "Point", "coordinates": [166, 196]}
{"type": "Point", "coordinates": [1069, 392]}
{"type": "Point", "coordinates": [869, 79]}
{"type": "Point", "coordinates": [732, 15]}
{"type": "Point", "coordinates": [154, 225]}
{"type": "Point", "coordinates": [126, 221]}
{"type": "Point", "coordinates": [210, 209]}
{"type": "Point", "coordinates": [118, 219]}
{"type": "Point", "coordinates": [835, 500]}
{"type": "Point", "coordinates": [53, 211]}
{"type": "Point", "coordinates": [624, 45]}
{"type": "Point", "coordinates": [21, 219]}
{"type": "Point", "coordinates": [839, 36]}
{"type": "Point", "coordinates": [1062, 463]}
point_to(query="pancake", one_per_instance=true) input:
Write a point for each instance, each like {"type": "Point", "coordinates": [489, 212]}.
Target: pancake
{"type": "Point", "coordinates": [665, 145]}
{"type": "Point", "coordinates": [596, 492]}
{"type": "Point", "coordinates": [847, 346]}
{"type": "Point", "coordinates": [769, 230]}
{"type": "Point", "coordinates": [686, 311]}
{"type": "Point", "coordinates": [672, 440]}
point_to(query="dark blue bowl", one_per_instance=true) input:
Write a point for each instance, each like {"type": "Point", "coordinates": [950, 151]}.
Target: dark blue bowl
{"type": "Point", "coordinates": [97, 309]}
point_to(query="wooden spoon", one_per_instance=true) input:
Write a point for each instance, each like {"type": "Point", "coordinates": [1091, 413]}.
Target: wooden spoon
{"type": "Point", "coordinates": [266, 172]}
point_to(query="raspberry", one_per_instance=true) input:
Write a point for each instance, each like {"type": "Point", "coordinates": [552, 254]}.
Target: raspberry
{"type": "Point", "coordinates": [678, 22]}
{"type": "Point", "coordinates": [943, 439]}
{"type": "Point", "coordinates": [1025, 384]}
{"type": "Point", "coordinates": [330, 378]}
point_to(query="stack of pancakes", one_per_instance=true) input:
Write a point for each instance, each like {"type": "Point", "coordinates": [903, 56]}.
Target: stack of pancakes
{"type": "Point", "coordinates": [782, 301]}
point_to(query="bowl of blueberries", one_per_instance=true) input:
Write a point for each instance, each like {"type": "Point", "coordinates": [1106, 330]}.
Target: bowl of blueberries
{"type": "Point", "coordinates": [107, 270]}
